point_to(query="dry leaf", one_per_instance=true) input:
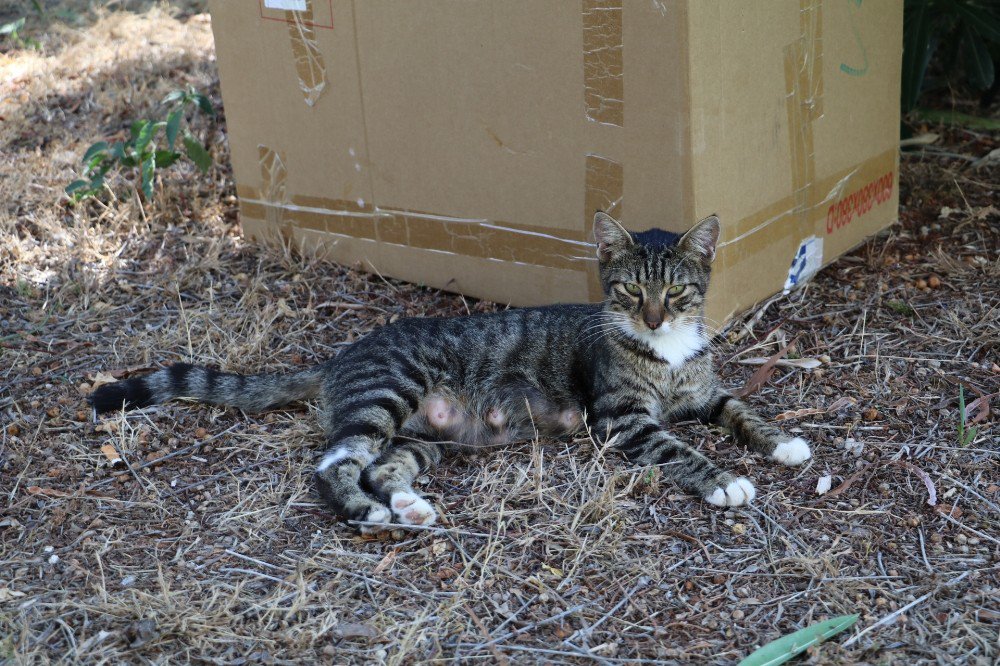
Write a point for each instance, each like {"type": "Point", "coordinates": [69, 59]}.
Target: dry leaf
{"type": "Point", "coordinates": [553, 570]}
{"type": "Point", "coordinates": [803, 363]}
{"type": "Point", "coordinates": [386, 561]}
{"type": "Point", "coordinates": [48, 492]}
{"type": "Point", "coordinates": [9, 522]}
{"type": "Point", "coordinates": [762, 374]}
{"type": "Point", "coordinates": [799, 413]}
{"type": "Point", "coordinates": [111, 453]}
{"type": "Point", "coordinates": [824, 484]}
{"type": "Point", "coordinates": [100, 380]}
{"type": "Point", "coordinates": [841, 403]}
{"type": "Point", "coordinates": [949, 510]}
{"type": "Point", "coordinates": [924, 476]}
{"type": "Point", "coordinates": [354, 630]}
{"type": "Point", "coordinates": [925, 139]}
{"type": "Point", "coordinates": [6, 594]}
{"type": "Point", "coordinates": [980, 408]}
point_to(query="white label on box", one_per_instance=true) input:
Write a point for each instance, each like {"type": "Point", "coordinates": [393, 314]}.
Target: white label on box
{"type": "Point", "coordinates": [293, 5]}
{"type": "Point", "coordinates": [807, 261]}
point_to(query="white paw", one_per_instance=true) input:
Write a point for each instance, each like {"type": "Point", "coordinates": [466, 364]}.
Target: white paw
{"type": "Point", "coordinates": [380, 515]}
{"type": "Point", "coordinates": [737, 493]}
{"type": "Point", "coordinates": [793, 452]}
{"type": "Point", "coordinates": [412, 509]}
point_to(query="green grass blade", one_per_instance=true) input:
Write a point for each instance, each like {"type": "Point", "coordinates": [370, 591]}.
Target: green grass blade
{"type": "Point", "coordinates": [957, 118]}
{"type": "Point", "coordinates": [781, 650]}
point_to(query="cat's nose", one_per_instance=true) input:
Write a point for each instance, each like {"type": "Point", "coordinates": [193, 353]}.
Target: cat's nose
{"type": "Point", "coordinates": [653, 323]}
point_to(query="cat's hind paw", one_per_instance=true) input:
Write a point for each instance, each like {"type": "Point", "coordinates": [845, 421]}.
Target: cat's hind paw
{"type": "Point", "coordinates": [412, 509]}
{"type": "Point", "coordinates": [792, 452]}
{"type": "Point", "coordinates": [736, 493]}
{"type": "Point", "coordinates": [381, 518]}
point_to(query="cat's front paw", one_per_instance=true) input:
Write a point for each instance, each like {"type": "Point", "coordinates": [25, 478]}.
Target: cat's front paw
{"type": "Point", "coordinates": [737, 492]}
{"type": "Point", "coordinates": [792, 452]}
{"type": "Point", "coordinates": [412, 509]}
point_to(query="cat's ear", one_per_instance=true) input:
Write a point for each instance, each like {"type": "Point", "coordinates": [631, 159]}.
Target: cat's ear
{"type": "Point", "coordinates": [612, 238]}
{"type": "Point", "coordinates": [702, 238]}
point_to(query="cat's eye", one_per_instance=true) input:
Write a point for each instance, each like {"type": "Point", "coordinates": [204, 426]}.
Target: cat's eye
{"type": "Point", "coordinates": [633, 289]}
{"type": "Point", "coordinates": [675, 290]}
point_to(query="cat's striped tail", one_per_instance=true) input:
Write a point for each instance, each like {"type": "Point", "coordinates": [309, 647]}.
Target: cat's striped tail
{"type": "Point", "coordinates": [252, 393]}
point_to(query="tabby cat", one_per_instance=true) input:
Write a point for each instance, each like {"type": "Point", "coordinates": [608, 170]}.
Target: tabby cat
{"type": "Point", "coordinates": [395, 401]}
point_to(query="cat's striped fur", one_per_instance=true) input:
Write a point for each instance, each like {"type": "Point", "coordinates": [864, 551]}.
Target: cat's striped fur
{"type": "Point", "coordinates": [395, 401]}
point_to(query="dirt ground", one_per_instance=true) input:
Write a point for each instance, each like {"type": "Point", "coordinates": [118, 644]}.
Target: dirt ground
{"type": "Point", "coordinates": [205, 543]}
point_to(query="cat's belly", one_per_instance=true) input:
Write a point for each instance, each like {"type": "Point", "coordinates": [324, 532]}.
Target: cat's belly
{"type": "Point", "coordinates": [485, 422]}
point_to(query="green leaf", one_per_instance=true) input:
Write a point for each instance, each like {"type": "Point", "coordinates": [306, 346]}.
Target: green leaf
{"type": "Point", "coordinates": [137, 128]}
{"type": "Point", "coordinates": [148, 168]}
{"type": "Point", "coordinates": [117, 150]}
{"type": "Point", "coordinates": [197, 152]}
{"type": "Point", "coordinates": [145, 136]}
{"type": "Point", "coordinates": [977, 58]}
{"type": "Point", "coordinates": [13, 27]}
{"type": "Point", "coordinates": [174, 126]}
{"type": "Point", "coordinates": [97, 162]}
{"type": "Point", "coordinates": [781, 650]}
{"type": "Point", "coordinates": [918, 30]}
{"type": "Point", "coordinates": [985, 19]}
{"type": "Point", "coordinates": [97, 149]}
{"type": "Point", "coordinates": [204, 104]}
{"type": "Point", "coordinates": [175, 96]}
{"type": "Point", "coordinates": [76, 185]}
{"type": "Point", "coordinates": [165, 158]}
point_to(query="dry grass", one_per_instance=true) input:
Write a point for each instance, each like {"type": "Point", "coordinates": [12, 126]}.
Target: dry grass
{"type": "Point", "coordinates": [208, 545]}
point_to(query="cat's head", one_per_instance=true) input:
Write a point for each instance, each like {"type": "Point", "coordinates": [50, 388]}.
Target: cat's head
{"type": "Point", "coordinates": [655, 283]}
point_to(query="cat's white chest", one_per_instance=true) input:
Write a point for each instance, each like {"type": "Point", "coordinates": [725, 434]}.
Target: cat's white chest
{"type": "Point", "coordinates": [675, 345]}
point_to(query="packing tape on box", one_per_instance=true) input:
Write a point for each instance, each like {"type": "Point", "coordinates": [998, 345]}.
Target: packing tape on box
{"type": "Point", "coordinates": [309, 64]}
{"type": "Point", "coordinates": [488, 239]}
{"type": "Point", "coordinates": [848, 195]}
{"type": "Point", "coordinates": [603, 62]}
{"type": "Point", "coordinates": [860, 188]}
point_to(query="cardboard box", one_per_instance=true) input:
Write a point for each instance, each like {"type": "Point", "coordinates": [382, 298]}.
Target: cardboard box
{"type": "Point", "coordinates": [466, 144]}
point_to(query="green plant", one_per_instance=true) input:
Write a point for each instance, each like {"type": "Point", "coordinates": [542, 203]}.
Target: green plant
{"type": "Point", "coordinates": [12, 31]}
{"type": "Point", "coordinates": [142, 151]}
{"type": "Point", "coordinates": [901, 308]}
{"type": "Point", "coordinates": [782, 649]}
{"type": "Point", "coordinates": [968, 31]}
{"type": "Point", "coordinates": [966, 433]}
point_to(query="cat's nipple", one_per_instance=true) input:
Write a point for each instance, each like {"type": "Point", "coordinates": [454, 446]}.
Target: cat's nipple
{"type": "Point", "coordinates": [570, 419]}
{"type": "Point", "coordinates": [440, 413]}
{"type": "Point", "coordinates": [496, 418]}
